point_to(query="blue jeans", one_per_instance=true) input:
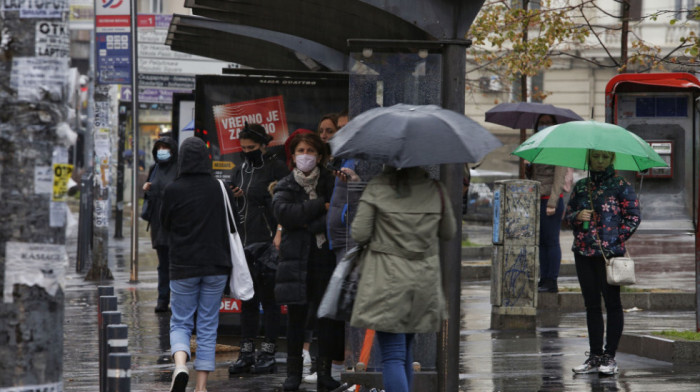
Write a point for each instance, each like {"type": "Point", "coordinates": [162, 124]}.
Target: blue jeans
{"type": "Point", "coordinates": [550, 250]}
{"type": "Point", "coordinates": [397, 360]}
{"type": "Point", "coordinates": [200, 295]}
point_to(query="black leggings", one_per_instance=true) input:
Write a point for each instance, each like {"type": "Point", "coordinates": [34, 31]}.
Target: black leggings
{"type": "Point", "coordinates": [592, 279]}
{"type": "Point", "coordinates": [264, 285]}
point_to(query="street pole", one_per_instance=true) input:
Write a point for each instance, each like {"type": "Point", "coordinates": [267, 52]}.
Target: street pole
{"type": "Point", "coordinates": [134, 277]}
{"type": "Point", "coordinates": [34, 56]}
{"type": "Point", "coordinates": [453, 87]}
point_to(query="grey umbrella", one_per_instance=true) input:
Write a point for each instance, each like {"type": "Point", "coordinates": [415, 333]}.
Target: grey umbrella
{"type": "Point", "coordinates": [408, 135]}
{"type": "Point", "coordinates": [522, 115]}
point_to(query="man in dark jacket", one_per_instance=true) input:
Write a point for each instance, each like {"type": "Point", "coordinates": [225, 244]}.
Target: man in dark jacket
{"type": "Point", "coordinates": [162, 173]}
{"type": "Point", "coordinates": [194, 214]}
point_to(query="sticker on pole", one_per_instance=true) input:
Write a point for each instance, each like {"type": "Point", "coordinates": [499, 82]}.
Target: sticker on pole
{"type": "Point", "coordinates": [61, 175]}
{"type": "Point", "coordinates": [32, 264]}
{"type": "Point", "coordinates": [231, 118]}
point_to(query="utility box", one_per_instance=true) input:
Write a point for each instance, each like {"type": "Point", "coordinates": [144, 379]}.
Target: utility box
{"type": "Point", "coordinates": [515, 261]}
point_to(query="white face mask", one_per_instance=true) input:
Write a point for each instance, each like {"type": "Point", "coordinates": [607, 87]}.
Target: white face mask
{"type": "Point", "coordinates": [305, 162]}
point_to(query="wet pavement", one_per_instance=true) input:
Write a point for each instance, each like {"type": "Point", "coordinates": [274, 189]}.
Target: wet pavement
{"type": "Point", "coordinates": [490, 360]}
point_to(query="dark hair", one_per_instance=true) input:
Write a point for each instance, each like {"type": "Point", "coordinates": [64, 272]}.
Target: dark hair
{"type": "Point", "coordinates": [311, 139]}
{"type": "Point", "coordinates": [329, 116]}
{"type": "Point", "coordinates": [537, 122]}
{"type": "Point", "coordinates": [256, 133]}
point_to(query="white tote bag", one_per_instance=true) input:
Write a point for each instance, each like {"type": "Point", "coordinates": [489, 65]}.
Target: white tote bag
{"type": "Point", "coordinates": [240, 283]}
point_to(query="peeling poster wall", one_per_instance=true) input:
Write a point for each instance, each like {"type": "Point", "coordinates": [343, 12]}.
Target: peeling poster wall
{"type": "Point", "coordinates": [43, 265]}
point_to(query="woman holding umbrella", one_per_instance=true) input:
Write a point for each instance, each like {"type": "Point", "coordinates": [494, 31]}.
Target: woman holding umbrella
{"type": "Point", "coordinates": [604, 213]}
{"type": "Point", "coordinates": [551, 180]}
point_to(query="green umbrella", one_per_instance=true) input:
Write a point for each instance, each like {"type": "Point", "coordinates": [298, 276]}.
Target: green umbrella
{"type": "Point", "coordinates": [568, 144]}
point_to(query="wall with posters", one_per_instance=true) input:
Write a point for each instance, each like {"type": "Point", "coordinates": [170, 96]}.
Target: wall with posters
{"type": "Point", "coordinates": [280, 104]}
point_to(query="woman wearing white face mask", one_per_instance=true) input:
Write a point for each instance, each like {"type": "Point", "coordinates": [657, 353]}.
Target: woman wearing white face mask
{"type": "Point", "coordinates": [552, 179]}
{"type": "Point", "coordinates": [300, 204]}
{"type": "Point", "coordinates": [162, 173]}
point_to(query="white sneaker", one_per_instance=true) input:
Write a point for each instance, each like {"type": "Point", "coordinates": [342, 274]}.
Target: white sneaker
{"type": "Point", "coordinates": [589, 366]}
{"type": "Point", "coordinates": [336, 370]}
{"type": "Point", "coordinates": [311, 378]}
{"type": "Point", "coordinates": [307, 358]}
{"type": "Point", "coordinates": [180, 377]}
{"type": "Point", "coordinates": [608, 365]}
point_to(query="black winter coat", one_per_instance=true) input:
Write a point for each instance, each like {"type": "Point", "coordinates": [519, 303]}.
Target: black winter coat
{"type": "Point", "coordinates": [301, 220]}
{"type": "Point", "coordinates": [255, 206]}
{"type": "Point", "coordinates": [194, 214]}
{"type": "Point", "coordinates": [160, 176]}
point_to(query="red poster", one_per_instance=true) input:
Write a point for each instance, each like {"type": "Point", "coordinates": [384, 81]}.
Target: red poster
{"type": "Point", "coordinates": [231, 118]}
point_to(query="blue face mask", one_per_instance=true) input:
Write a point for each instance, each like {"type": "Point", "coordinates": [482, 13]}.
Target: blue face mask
{"type": "Point", "coordinates": [163, 155]}
{"type": "Point", "coordinates": [541, 127]}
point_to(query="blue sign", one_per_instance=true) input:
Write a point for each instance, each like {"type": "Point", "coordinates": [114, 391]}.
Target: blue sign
{"type": "Point", "coordinates": [496, 216]}
{"type": "Point", "coordinates": [113, 58]}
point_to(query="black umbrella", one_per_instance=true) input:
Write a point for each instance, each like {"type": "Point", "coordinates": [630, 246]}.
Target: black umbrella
{"type": "Point", "coordinates": [408, 135]}
{"type": "Point", "coordinates": [522, 115]}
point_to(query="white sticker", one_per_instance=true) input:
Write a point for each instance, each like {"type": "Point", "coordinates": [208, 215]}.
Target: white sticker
{"type": "Point", "coordinates": [57, 213]}
{"type": "Point", "coordinates": [43, 265]}
{"type": "Point", "coordinates": [43, 180]}
{"type": "Point", "coordinates": [31, 77]}
{"type": "Point", "coordinates": [101, 213]}
{"type": "Point", "coordinates": [52, 39]}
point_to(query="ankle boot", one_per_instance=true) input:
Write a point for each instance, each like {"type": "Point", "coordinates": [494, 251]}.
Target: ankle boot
{"type": "Point", "coordinates": [266, 359]}
{"type": "Point", "coordinates": [246, 358]}
{"type": "Point", "coordinates": [295, 366]}
{"type": "Point", "coordinates": [325, 382]}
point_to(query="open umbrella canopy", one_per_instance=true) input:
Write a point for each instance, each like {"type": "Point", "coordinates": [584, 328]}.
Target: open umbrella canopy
{"type": "Point", "coordinates": [568, 145]}
{"type": "Point", "coordinates": [522, 115]}
{"type": "Point", "coordinates": [409, 135]}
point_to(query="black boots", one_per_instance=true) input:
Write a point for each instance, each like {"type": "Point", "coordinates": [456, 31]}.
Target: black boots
{"type": "Point", "coordinates": [548, 286]}
{"type": "Point", "coordinates": [325, 383]}
{"type": "Point", "coordinates": [246, 358]}
{"type": "Point", "coordinates": [294, 369]}
{"type": "Point", "coordinates": [266, 359]}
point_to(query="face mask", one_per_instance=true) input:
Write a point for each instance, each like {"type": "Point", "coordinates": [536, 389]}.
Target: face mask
{"type": "Point", "coordinates": [305, 162]}
{"type": "Point", "coordinates": [541, 127]}
{"type": "Point", "coordinates": [254, 157]}
{"type": "Point", "coordinates": [163, 155]}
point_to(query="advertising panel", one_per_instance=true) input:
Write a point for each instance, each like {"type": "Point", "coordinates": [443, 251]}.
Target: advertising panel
{"type": "Point", "coordinates": [280, 104]}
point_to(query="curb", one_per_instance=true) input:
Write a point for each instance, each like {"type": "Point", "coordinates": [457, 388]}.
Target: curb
{"type": "Point", "coordinates": [573, 302]}
{"type": "Point", "coordinates": [674, 351]}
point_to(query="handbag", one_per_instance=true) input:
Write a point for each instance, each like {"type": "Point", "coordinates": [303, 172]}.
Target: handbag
{"type": "Point", "coordinates": [147, 207]}
{"type": "Point", "coordinates": [339, 298]}
{"type": "Point", "coordinates": [240, 281]}
{"type": "Point", "coordinates": [620, 271]}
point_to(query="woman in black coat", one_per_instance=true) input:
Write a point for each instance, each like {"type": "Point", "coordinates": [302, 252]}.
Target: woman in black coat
{"type": "Point", "coordinates": [162, 173]}
{"type": "Point", "coordinates": [300, 204]}
{"type": "Point", "coordinates": [250, 185]}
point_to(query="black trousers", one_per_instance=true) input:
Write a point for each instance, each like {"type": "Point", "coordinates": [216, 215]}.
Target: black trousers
{"type": "Point", "coordinates": [264, 286]}
{"type": "Point", "coordinates": [592, 279]}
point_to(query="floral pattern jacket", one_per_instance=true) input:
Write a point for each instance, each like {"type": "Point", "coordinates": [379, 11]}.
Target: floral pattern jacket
{"type": "Point", "coordinates": [616, 213]}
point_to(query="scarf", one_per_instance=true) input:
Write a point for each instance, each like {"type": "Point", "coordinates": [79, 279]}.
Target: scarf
{"type": "Point", "coordinates": [309, 184]}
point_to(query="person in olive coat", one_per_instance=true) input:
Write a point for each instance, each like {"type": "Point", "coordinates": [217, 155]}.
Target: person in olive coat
{"type": "Point", "coordinates": [300, 203]}
{"type": "Point", "coordinates": [401, 217]}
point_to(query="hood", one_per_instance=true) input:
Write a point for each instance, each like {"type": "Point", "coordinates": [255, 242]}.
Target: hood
{"type": "Point", "coordinates": [194, 157]}
{"type": "Point", "coordinates": [168, 141]}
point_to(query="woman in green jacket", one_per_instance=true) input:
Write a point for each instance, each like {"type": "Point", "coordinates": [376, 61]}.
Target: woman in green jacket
{"type": "Point", "coordinates": [401, 217]}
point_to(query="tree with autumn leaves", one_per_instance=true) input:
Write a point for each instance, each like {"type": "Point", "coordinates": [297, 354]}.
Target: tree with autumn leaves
{"type": "Point", "coordinates": [516, 39]}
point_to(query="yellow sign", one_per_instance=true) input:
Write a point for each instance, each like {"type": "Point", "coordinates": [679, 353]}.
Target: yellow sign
{"type": "Point", "coordinates": [222, 165]}
{"type": "Point", "coordinates": [61, 174]}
